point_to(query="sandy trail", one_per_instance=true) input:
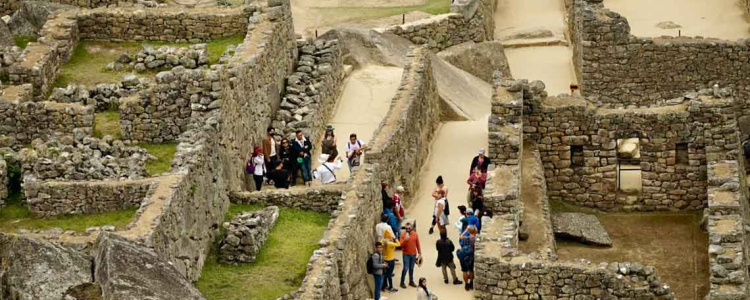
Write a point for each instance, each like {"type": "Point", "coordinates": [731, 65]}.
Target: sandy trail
{"type": "Point", "coordinates": [532, 192]}
{"type": "Point", "coordinates": [553, 65]}
{"type": "Point", "coordinates": [455, 144]}
{"type": "Point", "coordinates": [516, 14]}
{"type": "Point", "coordinates": [363, 104]}
{"type": "Point", "coordinates": [723, 19]}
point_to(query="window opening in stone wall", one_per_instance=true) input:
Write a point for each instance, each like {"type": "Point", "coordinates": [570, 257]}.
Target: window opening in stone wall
{"type": "Point", "coordinates": [681, 151]}
{"type": "Point", "coordinates": [576, 155]}
{"type": "Point", "coordinates": [629, 178]}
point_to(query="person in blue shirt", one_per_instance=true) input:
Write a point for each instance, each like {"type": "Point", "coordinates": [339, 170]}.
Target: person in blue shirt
{"type": "Point", "coordinates": [472, 220]}
{"type": "Point", "coordinates": [392, 219]}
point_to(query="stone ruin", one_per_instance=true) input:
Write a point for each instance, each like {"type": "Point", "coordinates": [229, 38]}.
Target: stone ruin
{"type": "Point", "coordinates": [246, 234]}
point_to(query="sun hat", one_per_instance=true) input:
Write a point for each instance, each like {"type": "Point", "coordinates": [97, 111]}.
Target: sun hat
{"type": "Point", "coordinates": [481, 150]}
{"type": "Point", "coordinates": [323, 158]}
{"type": "Point", "coordinates": [400, 188]}
{"type": "Point", "coordinates": [329, 127]}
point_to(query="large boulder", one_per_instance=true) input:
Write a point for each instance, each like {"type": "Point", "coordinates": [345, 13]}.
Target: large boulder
{"type": "Point", "coordinates": [478, 59]}
{"type": "Point", "coordinates": [583, 228]}
{"type": "Point", "coordinates": [628, 148]}
{"type": "Point", "coordinates": [32, 269]}
{"type": "Point", "coordinates": [29, 19]}
{"type": "Point", "coordinates": [6, 38]}
{"type": "Point", "coordinates": [127, 271]}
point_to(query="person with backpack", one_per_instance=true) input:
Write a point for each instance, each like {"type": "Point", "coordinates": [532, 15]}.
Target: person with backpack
{"type": "Point", "coordinates": [466, 255]}
{"type": "Point", "coordinates": [325, 172]}
{"type": "Point", "coordinates": [445, 249]}
{"type": "Point", "coordinates": [440, 213]}
{"type": "Point", "coordinates": [382, 227]}
{"type": "Point", "coordinates": [375, 266]}
{"type": "Point", "coordinates": [354, 150]}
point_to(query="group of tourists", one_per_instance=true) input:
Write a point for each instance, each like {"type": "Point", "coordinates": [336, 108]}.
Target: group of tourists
{"type": "Point", "coordinates": [392, 235]}
{"type": "Point", "coordinates": [281, 161]}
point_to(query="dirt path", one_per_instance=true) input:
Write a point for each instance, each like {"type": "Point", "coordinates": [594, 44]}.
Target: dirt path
{"type": "Point", "coordinates": [553, 65]}
{"type": "Point", "coordinates": [455, 144]}
{"type": "Point", "coordinates": [363, 104]}
{"type": "Point", "coordinates": [512, 15]}
{"type": "Point", "coordinates": [533, 190]}
{"type": "Point", "coordinates": [723, 19]}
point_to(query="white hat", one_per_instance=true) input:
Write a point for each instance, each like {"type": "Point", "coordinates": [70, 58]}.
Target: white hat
{"type": "Point", "coordinates": [481, 150]}
{"type": "Point", "coordinates": [470, 211]}
{"type": "Point", "coordinates": [323, 158]}
{"type": "Point", "coordinates": [400, 189]}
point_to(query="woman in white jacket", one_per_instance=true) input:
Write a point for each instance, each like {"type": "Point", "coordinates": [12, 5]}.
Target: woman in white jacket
{"type": "Point", "coordinates": [422, 292]}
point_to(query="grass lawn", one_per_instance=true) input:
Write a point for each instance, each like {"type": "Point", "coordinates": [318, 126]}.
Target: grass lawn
{"type": "Point", "coordinates": [434, 7]}
{"type": "Point", "coordinates": [17, 216]}
{"type": "Point", "coordinates": [22, 41]}
{"type": "Point", "coordinates": [164, 154]}
{"type": "Point", "coordinates": [281, 263]}
{"type": "Point", "coordinates": [89, 61]}
{"type": "Point", "coordinates": [107, 123]}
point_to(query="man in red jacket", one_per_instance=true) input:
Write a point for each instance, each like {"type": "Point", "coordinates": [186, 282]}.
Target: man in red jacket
{"type": "Point", "coordinates": [411, 251]}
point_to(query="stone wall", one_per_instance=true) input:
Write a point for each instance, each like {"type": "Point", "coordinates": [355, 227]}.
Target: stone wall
{"type": "Point", "coordinates": [506, 121]}
{"type": "Point", "coordinates": [162, 111]}
{"type": "Point", "coordinates": [163, 24]}
{"type": "Point", "coordinates": [469, 20]}
{"type": "Point", "coordinates": [253, 78]}
{"type": "Point", "coordinates": [312, 90]}
{"type": "Point", "coordinates": [410, 124]}
{"type": "Point", "coordinates": [54, 198]}
{"type": "Point", "coordinates": [9, 56]}
{"type": "Point", "coordinates": [25, 120]}
{"type": "Point", "coordinates": [727, 208]}
{"type": "Point", "coordinates": [246, 234]}
{"type": "Point", "coordinates": [40, 61]}
{"type": "Point", "coordinates": [323, 198]}
{"type": "Point", "coordinates": [7, 7]}
{"type": "Point", "coordinates": [4, 176]}
{"type": "Point", "coordinates": [105, 96]}
{"type": "Point", "coordinates": [559, 125]}
{"type": "Point", "coordinates": [620, 69]}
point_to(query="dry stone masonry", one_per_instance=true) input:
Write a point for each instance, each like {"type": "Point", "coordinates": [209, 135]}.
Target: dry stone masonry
{"type": "Point", "coordinates": [164, 57]}
{"type": "Point", "coordinates": [323, 199]}
{"type": "Point", "coordinates": [104, 96]}
{"type": "Point", "coordinates": [246, 234]}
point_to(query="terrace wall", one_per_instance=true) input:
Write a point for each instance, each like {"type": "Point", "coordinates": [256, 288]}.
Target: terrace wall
{"type": "Point", "coordinates": [53, 198]}
{"type": "Point", "coordinates": [7, 7]}
{"type": "Point", "coordinates": [323, 199]}
{"type": "Point", "coordinates": [618, 68]}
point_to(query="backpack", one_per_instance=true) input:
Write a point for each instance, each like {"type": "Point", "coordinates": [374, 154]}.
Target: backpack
{"type": "Point", "coordinates": [355, 160]}
{"type": "Point", "coordinates": [446, 209]}
{"type": "Point", "coordinates": [370, 268]}
{"type": "Point", "coordinates": [250, 167]}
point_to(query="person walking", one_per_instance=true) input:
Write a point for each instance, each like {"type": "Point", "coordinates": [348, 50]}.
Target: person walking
{"type": "Point", "coordinates": [422, 292]}
{"type": "Point", "coordinates": [303, 148]}
{"type": "Point", "coordinates": [389, 255]}
{"type": "Point", "coordinates": [270, 148]}
{"type": "Point", "coordinates": [466, 255]}
{"type": "Point", "coordinates": [354, 150]}
{"type": "Point", "coordinates": [326, 171]}
{"type": "Point", "coordinates": [480, 161]}
{"type": "Point", "coordinates": [445, 249]}
{"type": "Point", "coordinates": [439, 216]}
{"type": "Point", "coordinates": [378, 267]}
{"type": "Point", "coordinates": [259, 167]}
{"type": "Point", "coordinates": [411, 250]}
{"type": "Point", "coordinates": [328, 145]}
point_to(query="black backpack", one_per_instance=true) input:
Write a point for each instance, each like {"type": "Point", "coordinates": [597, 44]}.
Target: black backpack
{"type": "Point", "coordinates": [370, 268]}
{"type": "Point", "coordinates": [446, 209]}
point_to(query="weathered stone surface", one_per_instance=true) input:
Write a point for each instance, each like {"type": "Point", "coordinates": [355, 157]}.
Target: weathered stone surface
{"type": "Point", "coordinates": [479, 59]}
{"type": "Point", "coordinates": [246, 234]}
{"type": "Point", "coordinates": [323, 199]}
{"type": "Point", "coordinates": [32, 269]}
{"type": "Point", "coordinates": [668, 25]}
{"type": "Point", "coordinates": [6, 38]}
{"type": "Point", "coordinates": [526, 33]}
{"type": "Point", "coordinates": [29, 19]}
{"type": "Point", "coordinates": [582, 227]}
{"type": "Point", "coordinates": [127, 271]}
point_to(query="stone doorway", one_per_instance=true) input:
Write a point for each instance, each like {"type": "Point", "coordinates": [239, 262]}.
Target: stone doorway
{"type": "Point", "coordinates": [629, 179]}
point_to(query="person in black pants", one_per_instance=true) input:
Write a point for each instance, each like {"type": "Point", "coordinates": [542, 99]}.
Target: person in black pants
{"type": "Point", "coordinates": [302, 148]}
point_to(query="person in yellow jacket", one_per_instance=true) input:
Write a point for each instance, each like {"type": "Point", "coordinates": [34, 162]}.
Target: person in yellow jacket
{"type": "Point", "coordinates": [390, 243]}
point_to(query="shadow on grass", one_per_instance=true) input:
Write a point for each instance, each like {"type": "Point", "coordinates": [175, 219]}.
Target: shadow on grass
{"type": "Point", "coordinates": [281, 263]}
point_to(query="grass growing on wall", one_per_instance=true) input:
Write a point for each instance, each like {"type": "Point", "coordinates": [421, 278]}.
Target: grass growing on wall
{"type": "Point", "coordinates": [16, 216]}
{"type": "Point", "coordinates": [22, 41]}
{"type": "Point", "coordinates": [88, 64]}
{"type": "Point", "coordinates": [281, 263]}
{"type": "Point", "coordinates": [107, 123]}
{"type": "Point", "coordinates": [164, 154]}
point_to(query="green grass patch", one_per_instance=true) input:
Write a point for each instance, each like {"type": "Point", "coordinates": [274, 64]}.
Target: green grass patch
{"type": "Point", "coordinates": [107, 123]}
{"type": "Point", "coordinates": [281, 263]}
{"type": "Point", "coordinates": [88, 64]}
{"type": "Point", "coordinates": [16, 216]}
{"type": "Point", "coordinates": [23, 41]}
{"type": "Point", "coordinates": [434, 7]}
{"type": "Point", "coordinates": [164, 154]}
